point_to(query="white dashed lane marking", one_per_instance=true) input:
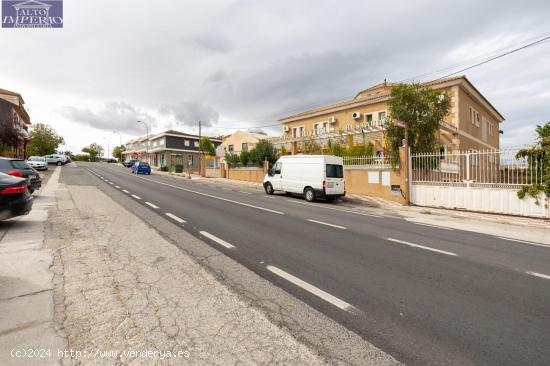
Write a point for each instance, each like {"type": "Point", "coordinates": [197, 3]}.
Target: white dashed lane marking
{"type": "Point", "coordinates": [174, 217]}
{"type": "Point", "coordinates": [312, 289]}
{"type": "Point", "coordinates": [421, 246]}
{"type": "Point", "coordinates": [217, 240]}
{"type": "Point", "coordinates": [327, 224]}
{"type": "Point", "coordinates": [136, 197]}
{"type": "Point", "coordinates": [151, 204]}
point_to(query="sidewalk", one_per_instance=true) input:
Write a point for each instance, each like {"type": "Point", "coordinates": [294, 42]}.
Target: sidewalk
{"type": "Point", "coordinates": [121, 287]}
{"type": "Point", "coordinates": [26, 287]}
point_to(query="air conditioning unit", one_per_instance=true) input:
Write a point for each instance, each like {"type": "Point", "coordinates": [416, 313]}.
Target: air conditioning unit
{"type": "Point", "coordinates": [286, 128]}
{"type": "Point", "coordinates": [331, 119]}
{"type": "Point", "coordinates": [356, 115]}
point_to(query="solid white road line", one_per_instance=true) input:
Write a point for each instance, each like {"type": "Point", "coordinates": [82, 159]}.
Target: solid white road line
{"type": "Point", "coordinates": [334, 208]}
{"type": "Point", "coordinates": [136, 197]}
{"type": "Point", "coordinates": [216, 197]}
{"type": "Point", "coordinates": [151, 204]}
{"type": "Point", "coordinates": [421, 246]}
{"type": "Point", "coordinates": [327, 224]}
{"type": "Point", "coordinates": [538, 275]}
{"type": "Point", "coordinates": [217, 240]}
{"type": "Point", "coordinates": [430, 225]}
{"type": "Point", "coordinates": [312, 289]}
{"type": "Point", "coordinates": [125, 191]}
{"type": "Point", "coordinates": [524, 242]}
{"type": "Point", "coordinates": [174, 217]}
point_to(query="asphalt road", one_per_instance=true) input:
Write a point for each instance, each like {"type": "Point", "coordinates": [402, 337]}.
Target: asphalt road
{"type": "Point", "coordinates": [427, 295]}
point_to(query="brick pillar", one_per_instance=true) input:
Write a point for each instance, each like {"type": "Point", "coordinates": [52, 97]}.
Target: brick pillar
{"type": "Point", "coordinates": [266, 166]}
{"type": "Point", "coordinates": [202, 167]}
{"type": "Point", "coordinates": [404, 152]}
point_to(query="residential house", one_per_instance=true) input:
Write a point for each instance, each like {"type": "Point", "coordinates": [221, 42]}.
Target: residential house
{"type": "Point", "coordinates": [14, 124]}
{"type": "Point", "coordinates": [237, 142]}
{"type": "Point", "coordinates": [168, 148]}
{"type": "Point", "coordinates": [473, 123]}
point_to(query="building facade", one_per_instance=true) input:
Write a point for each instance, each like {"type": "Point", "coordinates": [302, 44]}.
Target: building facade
{"type": "Point", "coordinates": [237, 142]}
{"type": "Point", "coordinates": [14, 125]}
{"type": "Point", "coordinates": [473, 123]}
{"type": "Point", "coordinates": [168, 148]}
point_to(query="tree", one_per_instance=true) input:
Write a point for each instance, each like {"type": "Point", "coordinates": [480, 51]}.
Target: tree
{"type": "Point", "coordinates": [94, 150]}
{"type": "Point", "coordinates": [244, 157]}
{"type": "Point", "coordinates": [232, 159]}
{"type": "Point", "coordinates": [207, 146]}
{"type": "Point", "coordinates": [311, 147]}
{"type": "Point", "coordinates": [538, 157]}
{"type": "Point", "coordinates": [263, 150]}
{"type": "Point", "coordinates": [421, 108]}
{"type": "Point", "coordinates": [44, 140]}
{"type": "Point", "coordinates": [69, 153]}
{"type": "Point", "coordinates": [118, 150]}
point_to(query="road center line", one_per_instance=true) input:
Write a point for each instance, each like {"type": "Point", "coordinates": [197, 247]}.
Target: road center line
{"type": "Point", "coordinates": [312, 289]}
{"type": "Point", "coordinates": [524, 242]}
{"type": "Point", "coordinates": [334, 208]}
{"type": "Point", "coordinates": [437, 226]}
{"type": "Point", "coordinates": [421, 246]}
{"type": "Point", "coordinates": [136, 197]}
{"type": "Point", "coordinates": [174, 217]}
{"type": "Point", "coordinates": [538, 275]}
{"type": "Point", "coordinates": [216, 197]}
{"type": "Point", "coordinates": [151, 204]}
{"type": "Point", "coordinates": [327, 224]}
{"type": "Point", "coordinates": [217, 240]}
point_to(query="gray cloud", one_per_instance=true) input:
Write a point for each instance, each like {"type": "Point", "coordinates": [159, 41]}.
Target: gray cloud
{"type": "Point", "coordinates": [112, 116]}
{"type": "Point", "coordinates": [189, 113]}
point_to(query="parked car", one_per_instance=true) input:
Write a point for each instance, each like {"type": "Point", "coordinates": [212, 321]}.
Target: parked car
{"type": "Point", "coordinates": [57, 159]}
{"type": "Point", "coordinates": [129, 163]}
{"type": "Point", "coordinates": [15, 199]}
{"type": "Point", "coordinates": [141, 167]}
{"type": "Point", "coordinates": [38, 162]}
{"type": "Point", "coordinates": [313, 176]}
{"type": "Point", "coordinates": [20, 168]}
{"type": "Point", "coordinates": [111, 160]}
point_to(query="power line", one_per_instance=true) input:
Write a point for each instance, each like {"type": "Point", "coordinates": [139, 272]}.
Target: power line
{"type": "Point", "coordinates": [544, 38]}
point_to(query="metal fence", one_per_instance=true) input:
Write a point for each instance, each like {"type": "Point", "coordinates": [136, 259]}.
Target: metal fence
{"type": "Point", "coordinates": [497, 167]}
{"type": "Point", "coordinates": [369, 162]}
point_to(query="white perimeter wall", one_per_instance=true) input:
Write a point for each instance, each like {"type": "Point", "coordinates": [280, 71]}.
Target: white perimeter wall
{"type": "Point", "coordinates": [494, 200]}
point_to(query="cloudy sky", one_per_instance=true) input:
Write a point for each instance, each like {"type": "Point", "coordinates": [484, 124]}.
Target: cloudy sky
{"type": "Point", "coordinates": [246, 63]}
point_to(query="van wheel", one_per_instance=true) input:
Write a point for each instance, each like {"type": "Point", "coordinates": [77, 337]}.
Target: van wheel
{"type": "Point", "coordinates": [268, 188]}
{"type": "Point", "coordinates": [309, 194]}
{"type": "Point", "coordinates": [58, 163]}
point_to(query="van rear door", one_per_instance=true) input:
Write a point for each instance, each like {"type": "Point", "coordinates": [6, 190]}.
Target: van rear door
{"type": "Point", "coordinates": [334, 174]}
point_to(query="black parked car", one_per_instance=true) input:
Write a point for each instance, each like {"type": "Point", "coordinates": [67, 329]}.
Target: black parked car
{"type": "Point", "coordinates": [20, 168]}
{"type": "Point", "coordinates": [15, 199]}
{"type": "Point", "coordinates": [129, 163]}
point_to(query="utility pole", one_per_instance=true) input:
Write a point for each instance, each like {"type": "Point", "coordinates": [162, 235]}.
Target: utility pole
{"type": "Point", "coordinates": [200, 147]}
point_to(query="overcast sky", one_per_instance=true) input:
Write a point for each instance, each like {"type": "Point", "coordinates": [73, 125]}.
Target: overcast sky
{"type": "Point", "coordinates": [248, 63]}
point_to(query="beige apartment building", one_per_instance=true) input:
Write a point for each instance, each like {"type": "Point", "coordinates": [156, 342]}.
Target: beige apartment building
{"type": "Point", "coordinates": [473, 123]}
{"type": "Point", "coordinates": [237, 142]}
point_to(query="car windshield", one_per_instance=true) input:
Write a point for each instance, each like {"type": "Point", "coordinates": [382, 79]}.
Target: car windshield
{"type": "Point", "coordinates": [143, 164]}
{"type": "Point", "coordinates": [20, 164]}
{"type": "Point", "coordinates": [335, 171]}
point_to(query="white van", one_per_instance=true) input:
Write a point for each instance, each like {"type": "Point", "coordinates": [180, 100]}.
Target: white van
{"type": "Point", "coordinates": [314, 176]}
{"type": "Point", "coordinates": [56, 159]}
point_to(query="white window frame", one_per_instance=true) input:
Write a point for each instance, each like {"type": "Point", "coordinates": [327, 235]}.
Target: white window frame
{"type": "Point", "coordinates": [196, 143]}
{"type": "Point", "coordinates": [186, 143]}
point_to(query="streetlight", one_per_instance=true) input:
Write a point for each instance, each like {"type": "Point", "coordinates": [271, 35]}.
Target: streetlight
{"type": "Point", "coordinates": [120, 142]}
{"type": "Point", "coordinates": [104, 138]}
{"type": "Point", "coordinates": [146, 141]}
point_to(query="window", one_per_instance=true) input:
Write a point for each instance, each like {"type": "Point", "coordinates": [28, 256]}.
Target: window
{"type": "Point", "coordinates": [368, 119]}
{"type": "Point", "coordinates": [196, 143]}
{"type": "Point", "coordinates": [294, 132]}
{"type": "Point", "coordinates": [478, 119]}
{"type": "Point", "coordinates": [186, 143]}
{"type": "Point", "coordinates": [381, 118]}
{"type": "Point", "coordinates": [244, 146]}
{"type": "Point", "coordinates": [316, 128]}
{"type": "Point", "coordinates": [231, 148]}
{"type": "Point", "coordinates": [301, 131]}
{"type": "Point", "coordinates": [335, 171]}
{"type": "Point", "coordinates": [277, 167]}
